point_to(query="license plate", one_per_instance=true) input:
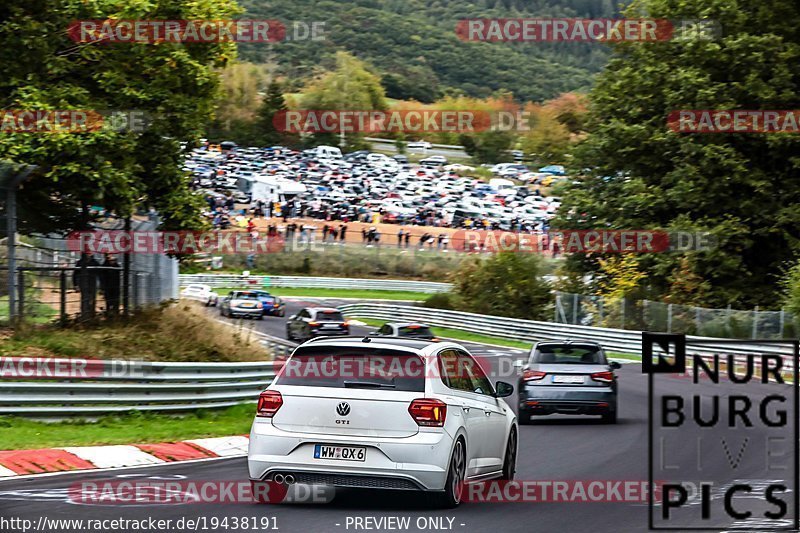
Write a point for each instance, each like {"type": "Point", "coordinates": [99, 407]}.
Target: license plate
{"type": "Point", "coordinates": [330, 326]}
{"type": "Point", "coordinates": [248, 305]}
{"type": "Point", "coordinates": [340, 453]}
{"type": "Point", "coordinates": [568, 379]}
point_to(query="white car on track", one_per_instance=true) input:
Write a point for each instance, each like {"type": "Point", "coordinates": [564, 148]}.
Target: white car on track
{"type": "Point", "coordinates": [387, 413]}
{"type": "Point", "coordinates": [201, 293]}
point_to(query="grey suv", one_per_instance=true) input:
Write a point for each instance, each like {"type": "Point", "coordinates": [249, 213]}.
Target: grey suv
{"type": "Point", "coordinates": [568, 377]}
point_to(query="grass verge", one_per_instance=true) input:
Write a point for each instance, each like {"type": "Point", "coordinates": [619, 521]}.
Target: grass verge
{"type": "Point", "coordinates": [131, 428]}
{"type": "Point", "coordinates": [360, 294]}
{"type": "Point", "coordinates": [179, 332]}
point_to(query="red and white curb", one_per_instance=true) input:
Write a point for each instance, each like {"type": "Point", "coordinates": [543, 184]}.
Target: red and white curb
{"type": "Point", "coordinates": [27, 462]}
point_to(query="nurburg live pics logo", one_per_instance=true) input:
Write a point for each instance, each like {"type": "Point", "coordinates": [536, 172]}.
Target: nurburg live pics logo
{"type": "Point", "coordinates": [723, 444]}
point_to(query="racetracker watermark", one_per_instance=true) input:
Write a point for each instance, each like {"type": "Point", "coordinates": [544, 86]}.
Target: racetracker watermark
{"type": "Point", "coordinates": [557, 491]}
{"type": "Point", "coordinates": [402, 120]}
{"type": "Point", "coordinates": [72, 121]}
{"type": "Point", "coordinates": [726, 442]}
{"type": "Point", "coordinates": [582, 241]}
{"type": "Point", "coordinates": [180, 492]}
{"type": "Point", "coordinates": [193, 31]}
{"type": "Point", "coordinates": [75, 368]}
{"type": "Point", "coordinates": [583, 30]}
{"type": "Point", "coordinates": [172, 242]}
{"type": "Point", "coordinates": [734, 121]}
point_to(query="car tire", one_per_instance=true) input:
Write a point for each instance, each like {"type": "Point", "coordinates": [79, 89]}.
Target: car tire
{"type": "Point", "coordinates": [260, 317]}
{"type": "Point", "coordinates": [282, 313]}
{"type": "Point", "coordinates": [456, 474]}
{"type": "Point", "coordinates": [510, 459]}
{"type": "Point", "coordinates": [610, 417]}
{"type": "Point", "coordinates": [525, 418]}
{"type": "Point", "coordinates": [289, 334]}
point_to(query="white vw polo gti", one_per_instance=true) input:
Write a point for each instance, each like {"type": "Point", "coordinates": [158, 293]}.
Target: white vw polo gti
{"type": "Point", "coordinates": [384, 413]}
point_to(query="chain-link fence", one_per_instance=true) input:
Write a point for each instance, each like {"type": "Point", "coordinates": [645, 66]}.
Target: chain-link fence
{"type": "Point", "coordinates": [647, 315]}
{"type": "Point", "coordinates": [55, 283]}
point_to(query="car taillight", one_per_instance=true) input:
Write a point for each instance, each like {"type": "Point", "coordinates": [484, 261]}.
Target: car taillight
{"type": "Point", "coordinates": [428, 412]}
{"type": "Point", "coordinates": [313, 324]}
{"type": "Point", "coordinates": [604, 377]}
{"type": "Point", "coordinates": [533, 375]}
{"type": "Point", "coordinates": [268, 403]}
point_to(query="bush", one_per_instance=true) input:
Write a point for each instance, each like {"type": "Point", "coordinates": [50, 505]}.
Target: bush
{"type": "Point", "coordinates": [506, 284]}
{"type": "Point", "coordinates": [440, 300]}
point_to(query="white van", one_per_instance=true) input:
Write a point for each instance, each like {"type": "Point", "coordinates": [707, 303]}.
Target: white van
{"type": "Point", "coordinates": [327, 152]}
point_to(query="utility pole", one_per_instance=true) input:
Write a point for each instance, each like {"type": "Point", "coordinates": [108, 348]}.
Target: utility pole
{"type": "Point", "coordinates": [12, 184]}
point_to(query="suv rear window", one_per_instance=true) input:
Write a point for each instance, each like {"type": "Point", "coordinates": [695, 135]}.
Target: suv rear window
{"type": "Point", "coordinates": [329, 316]}
{"type": "Point", "coordinates": [354, 367]}
{"type": "Point", "coordinates": [573, 354]}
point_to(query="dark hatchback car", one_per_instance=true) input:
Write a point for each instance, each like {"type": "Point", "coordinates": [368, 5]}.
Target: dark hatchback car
{"type": "Point", "coordinates": [568, 377]}
{"type": "Point", "coordinates": [407, 329]}
{"type": "Point", "coordinates": [316, 322]}
{"type": "Point", "coordinates": [272, 305]}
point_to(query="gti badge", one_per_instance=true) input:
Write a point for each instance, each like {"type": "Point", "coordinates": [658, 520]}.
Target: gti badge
{"type": "Point", "coordinates": [343, 409]}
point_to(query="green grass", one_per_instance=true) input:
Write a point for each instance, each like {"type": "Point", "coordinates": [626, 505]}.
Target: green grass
{"type": "Point", "coordinates": [133, 428]}
{"type": "Point", "coordinates": [364, 294]}
{"type": "Point", "coordinates": [35, 312]}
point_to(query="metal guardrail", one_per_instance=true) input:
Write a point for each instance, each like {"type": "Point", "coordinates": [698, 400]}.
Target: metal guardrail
{"type": "Point", "coordinates": [233, 280]}
{"type": "Point", "coordinates": [154, 386]}
{"type": "Point", "coordinates": [614, 340]}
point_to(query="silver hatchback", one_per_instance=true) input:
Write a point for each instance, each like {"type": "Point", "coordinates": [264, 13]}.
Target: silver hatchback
{"type": "Point", "coordinates": [568, 377]}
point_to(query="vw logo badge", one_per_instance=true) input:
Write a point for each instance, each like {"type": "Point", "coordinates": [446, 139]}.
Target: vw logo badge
{"type": "Point", "coordinates": [343, 409]}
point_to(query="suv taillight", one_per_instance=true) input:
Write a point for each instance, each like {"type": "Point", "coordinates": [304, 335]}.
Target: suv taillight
{"type": "Point", "coordinates": [533, 375]}
{"type": "Point", "coordinates": [428, 412]}
{"type": "Point", "coordinates": [268, 403]}
{"type": "Point", "coordinates": [604, 377]}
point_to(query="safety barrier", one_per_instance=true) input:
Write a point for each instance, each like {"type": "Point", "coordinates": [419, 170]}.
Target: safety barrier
{"type": "Point", "coordinates": [233, 280]}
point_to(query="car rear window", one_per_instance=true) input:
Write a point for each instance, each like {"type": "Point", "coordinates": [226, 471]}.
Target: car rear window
{"type": "Point", "coordinates": [354, 367]}
{"type": "Point", "coordinates": [415, 331]}
{"type": "Point", "coordinates": [245, 296]}
{"type": "Point", "coordinates": [568, 354]}
{"type": "Point", "coordinates": [329, 316]}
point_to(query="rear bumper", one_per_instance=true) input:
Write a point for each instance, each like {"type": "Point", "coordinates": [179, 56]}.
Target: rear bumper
{"type": "Point", "coordinates": [329, 332]}
{"type": "Point", "coordinates": [246, 312]}
{"type": "Point", "coordinates": [544, 400]}
{"type": "Point", "coordinates": [418, 462]}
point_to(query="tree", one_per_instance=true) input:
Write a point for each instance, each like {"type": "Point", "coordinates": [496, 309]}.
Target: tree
{"type": "Point", "coordinates": [121, 170]}
{"type": "Point", "coordinates": [741, 188]}
{"type": "Point", "coordinates": [351, 86]}
{"type": "Point", "coordinates": [506, 284]}
{"type": "Point", "coordinates": [265, 132]}
{"type": "Point", "coordinates": [241, 87]}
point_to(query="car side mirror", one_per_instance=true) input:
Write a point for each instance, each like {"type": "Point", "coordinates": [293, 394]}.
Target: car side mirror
{"type": "Point", "coordinates": [503, 389]}
{"type": "Point", "coordinates": [615, 365]}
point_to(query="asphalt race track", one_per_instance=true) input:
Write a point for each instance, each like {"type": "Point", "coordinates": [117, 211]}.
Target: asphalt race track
{"type": "Point", "coordinates": [554, 448]}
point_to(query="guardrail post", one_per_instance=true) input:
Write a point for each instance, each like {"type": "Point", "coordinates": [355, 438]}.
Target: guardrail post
{"type": "Point", "coordinates": [783, 320]}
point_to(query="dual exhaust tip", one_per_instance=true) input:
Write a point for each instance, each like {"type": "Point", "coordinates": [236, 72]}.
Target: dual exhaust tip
{"type": "Point", "coordinates": [287, 479]}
